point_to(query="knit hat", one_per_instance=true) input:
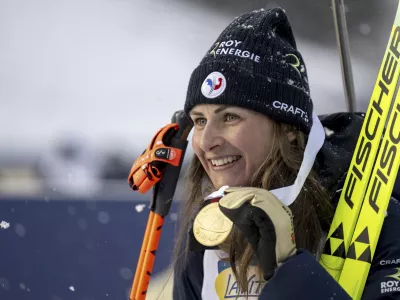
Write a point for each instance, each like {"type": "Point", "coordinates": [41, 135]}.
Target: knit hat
{"type": "Point", "coordinates": [255, 64]}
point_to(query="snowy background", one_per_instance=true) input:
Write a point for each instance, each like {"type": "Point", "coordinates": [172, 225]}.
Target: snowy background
{"type": "Point", "coordinates": [85, 84]}
{"type": "Point", "coordinates": [102, 76]}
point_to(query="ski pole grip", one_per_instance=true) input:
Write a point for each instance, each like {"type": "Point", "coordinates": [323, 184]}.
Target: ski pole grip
{"type": "Point", "coordinates": [164, 190]}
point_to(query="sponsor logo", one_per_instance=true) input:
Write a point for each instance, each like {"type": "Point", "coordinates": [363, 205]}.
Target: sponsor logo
{"type": "Point", "coordinates": [390, 262]}
{"type": "Point", "coordinates": [232, 47]}
{"type": "Point", "coordinates": [165, 153]}
{"type": "Point", "coordinates": [389, 286]}
{"type": "Point", "coordinates": [396, 275]}
{"type": "Point", "coordinates": [373, 120]}
{"type": "Point", "coordinates": [296, 63]}
{"type": "Point", "coordinates": [162, 153]}
{"type": "Point", "coordinates": [291, 109]}
{"type": "Point", "coordinates": [227, 287]}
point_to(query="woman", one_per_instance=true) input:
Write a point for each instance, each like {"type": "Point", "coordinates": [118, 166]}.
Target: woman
{"type": "Point", "coordinates": [255, 131]}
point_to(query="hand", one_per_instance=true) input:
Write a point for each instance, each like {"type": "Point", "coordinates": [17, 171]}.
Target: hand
{"type": "Point", "coordinates": [266, 223]}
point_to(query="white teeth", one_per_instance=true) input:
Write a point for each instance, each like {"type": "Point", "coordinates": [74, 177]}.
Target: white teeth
{"type": "Point", "coordinates": [224, 161]}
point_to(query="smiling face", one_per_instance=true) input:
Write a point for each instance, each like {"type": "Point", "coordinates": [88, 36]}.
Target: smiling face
{"type": "Point", "coordinates": [230, 142]}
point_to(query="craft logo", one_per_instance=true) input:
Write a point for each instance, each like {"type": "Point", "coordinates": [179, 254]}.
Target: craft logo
{"type": "Point", "coordinates": [390, 262]}
{"type": "Point", "coordinates": [227, 287]}
{"type": "Point", "coordinates": [391, 285]}
{"type": "Point", "coordinates": [214, 85]}
{"type": "Point", "coordinates": [291, 109]}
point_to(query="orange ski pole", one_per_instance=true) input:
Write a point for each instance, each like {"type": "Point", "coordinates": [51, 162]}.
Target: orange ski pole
{"type": "Point", "coordinates": [141, 260]}
{"type": "Point", "coordinates": [163, 192]}
{"type": "Point", "coordinates": [149, 257]}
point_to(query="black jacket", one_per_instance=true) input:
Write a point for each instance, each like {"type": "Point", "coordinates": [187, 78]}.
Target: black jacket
{"type": "Point", "coordinates": [301, 276]}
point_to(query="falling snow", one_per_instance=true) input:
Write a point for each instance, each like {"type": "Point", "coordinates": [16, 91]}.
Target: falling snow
{"type": "Point", "coordinates": [4, 225]}
{"type": "Point", "coordinates": [139, 207]}
{"type": "Point", "coordinates": [365, 29]}
{"type": "Point", "coordinates": [72, 288]}
{"type": "Point", "coordinates": [328, 132]}
{"type": "Point", "coordinates": [4, 283]}
{"type": "Point", "coordinates": [126, 273]}
{"type": "Point", "coordinates": [258, 10]}
{"type": "Point", "coordinates": [173, 216]}
{"type": "Point", "coordinates": [103, 217]}
{"type": "Point", "coordinates": [247, 26]}
{"type": "Point", "coordinates": [20, 230]}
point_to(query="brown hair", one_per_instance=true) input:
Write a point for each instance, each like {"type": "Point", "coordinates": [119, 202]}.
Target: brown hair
{"type": "Point", "coordinates": [312, 210]}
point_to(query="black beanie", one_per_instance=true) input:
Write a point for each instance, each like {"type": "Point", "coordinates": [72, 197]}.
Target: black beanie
{"type": "Point", "coordinates": [255, 64]}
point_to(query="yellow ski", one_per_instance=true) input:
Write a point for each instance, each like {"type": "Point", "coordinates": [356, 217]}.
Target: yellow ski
{"type": "Point", "coordinates": [358, 177]}
{"type": "Point", "coordinates": [365, 238]}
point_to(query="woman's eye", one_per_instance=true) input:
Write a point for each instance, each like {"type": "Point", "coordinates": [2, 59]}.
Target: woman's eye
{"type": "Point", "coordinates": [200, 121]}
{"type": "Point", "coordinates": [230, 117]}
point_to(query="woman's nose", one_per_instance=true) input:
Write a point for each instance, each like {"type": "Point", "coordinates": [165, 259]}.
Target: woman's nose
{"type": "Point", "coordinates": [211, 138]}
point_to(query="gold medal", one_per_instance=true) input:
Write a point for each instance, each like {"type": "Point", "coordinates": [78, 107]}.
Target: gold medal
{"type": "Point", "coordinates": [211, 227]}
